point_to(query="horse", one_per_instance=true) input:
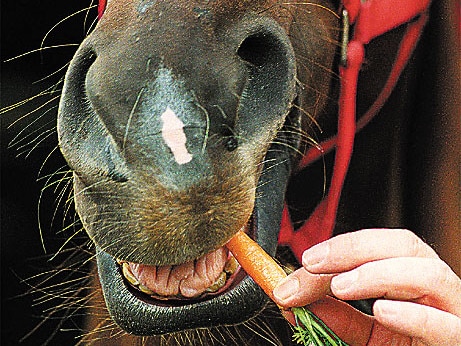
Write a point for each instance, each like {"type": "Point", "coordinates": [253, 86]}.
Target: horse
{"type": "Point", "coordinates": [183, 123]}
{"type": "Point", "coordinates": [214, 87]}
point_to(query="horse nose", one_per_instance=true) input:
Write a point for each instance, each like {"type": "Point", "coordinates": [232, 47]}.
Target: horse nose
{"type": "Point", "coordinates": [169, 130]}
{"type": "Point", "coordinates": [177, 109]}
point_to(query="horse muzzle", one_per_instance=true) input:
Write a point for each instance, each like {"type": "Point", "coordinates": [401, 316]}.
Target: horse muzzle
{"type": "Point", "coordinates": [176, 141]}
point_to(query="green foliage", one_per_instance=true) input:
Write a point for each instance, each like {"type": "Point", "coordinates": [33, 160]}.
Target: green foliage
{"type": "Point", "coordinates": [311, 331]}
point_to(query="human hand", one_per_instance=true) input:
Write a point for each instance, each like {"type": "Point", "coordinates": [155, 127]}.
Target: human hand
{"type": "Point", "coordinates": [419, 296]}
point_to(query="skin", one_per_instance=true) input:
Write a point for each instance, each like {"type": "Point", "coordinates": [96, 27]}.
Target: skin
{"type": "Point", "coordinates": [418, 295]}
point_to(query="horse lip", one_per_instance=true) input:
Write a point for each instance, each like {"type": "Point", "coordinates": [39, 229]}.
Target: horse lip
{"type": "Point", "coordinates": [231, 307]}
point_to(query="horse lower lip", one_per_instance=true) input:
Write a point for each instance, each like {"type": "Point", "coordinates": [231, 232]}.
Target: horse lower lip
{"type": "Point", "coordinates": [140, 315]}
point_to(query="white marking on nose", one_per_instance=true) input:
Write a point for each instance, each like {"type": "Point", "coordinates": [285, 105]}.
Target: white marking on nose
{"type": "Point", "coordinates": [174, 136]}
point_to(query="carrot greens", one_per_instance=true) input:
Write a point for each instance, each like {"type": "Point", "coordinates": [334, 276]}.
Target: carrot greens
{"type": "Point", "coordinates": [310, 330]}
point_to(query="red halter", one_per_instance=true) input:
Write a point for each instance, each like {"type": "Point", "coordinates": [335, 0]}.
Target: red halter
{"type": "Point", "coordinates": [371, 18]}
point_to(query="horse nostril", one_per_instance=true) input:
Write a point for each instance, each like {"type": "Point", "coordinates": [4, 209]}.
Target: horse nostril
{"type": "Point", "coordinates": [257, 49]}
{"type": "Point", "coordinates": [265, 51]}
{"type": "Point", "coordinates": [261, 48]}
{"type": "Point", "coordinates": [84, 140]}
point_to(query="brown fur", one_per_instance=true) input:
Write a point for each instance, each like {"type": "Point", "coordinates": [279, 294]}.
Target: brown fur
{"type": "Point", "coordinates": [132, 202]}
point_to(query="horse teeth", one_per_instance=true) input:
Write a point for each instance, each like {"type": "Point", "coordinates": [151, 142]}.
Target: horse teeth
{"type": "Point", "coordinates": [129, 275]}
{"type": "Point", "coordinates": [229, 269]}
{"type": "Point", "coordinates": [231, 265]}
{"type": "Point", "coordinates": [220, 282]}
{"type": "Point", "coordinates": [145, 290]}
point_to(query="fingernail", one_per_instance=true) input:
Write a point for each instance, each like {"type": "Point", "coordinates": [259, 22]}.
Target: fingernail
{"type": "Point", "coordinates": [385, 308]}
{"type": "Point", "coordinates": [314, 256]}
{"type": "Point", "coordinates": [286, 289]}
{"type": "Point", "coordinates": [344, 282]}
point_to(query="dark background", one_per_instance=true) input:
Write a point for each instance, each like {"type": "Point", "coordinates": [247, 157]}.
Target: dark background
{"type": "Point", "coordinates": [24, 24]}
{"type": "Point", "coordinates": [401, 175]}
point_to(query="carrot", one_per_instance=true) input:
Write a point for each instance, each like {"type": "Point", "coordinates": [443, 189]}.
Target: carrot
{"type": "Point", "coordinates": [256, 262]}
{"type": "Point", "coordinates": [263, 269]}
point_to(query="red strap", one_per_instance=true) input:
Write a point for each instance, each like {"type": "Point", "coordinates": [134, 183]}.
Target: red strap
{"type": "Point", "coordinates": [379, 16]}
{"type": "Point", "coordinates": [322, 220]}
{"type": "Point", "coordinates": [320, 224]}
{"type": "Point", "coordinates": [101, 7]}
{"type": "Point", "coordinates": [406, 48]}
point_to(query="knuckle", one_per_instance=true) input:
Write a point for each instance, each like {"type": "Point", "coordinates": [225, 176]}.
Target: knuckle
{"type": "Point", "coordinates": [341, 245]}
{"type": "Point", "coordinates": [415, 246]}
{"type": "Point", "coordinates": [442, 275]}
{"type": "Point", "coordinates": [445, 272]}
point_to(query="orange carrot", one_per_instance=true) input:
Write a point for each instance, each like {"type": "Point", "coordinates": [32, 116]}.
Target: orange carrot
{"type": "Point", "coordinates": [256, 262]}
{"type": "Point", "coordinates": [309, 329]}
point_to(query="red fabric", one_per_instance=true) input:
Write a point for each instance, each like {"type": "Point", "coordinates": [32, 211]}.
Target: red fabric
{"type": "Point", "coordinates": [101, 8]}
{"type": "Point", "coordinates": [319, 226]}
{"type": "Point", "coordinates": [372, 18]}
{"type": "Point", "coordinates": [406, 48]}
{"type": "Point", "coordinates": [379, 16]}
{"type": "Point", "coordinates": [353, 8]}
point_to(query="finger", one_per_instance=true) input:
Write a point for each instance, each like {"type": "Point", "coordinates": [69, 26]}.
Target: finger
{"type": "Point", "coordinates": [429, 325]}
{"type": "Point", "coordinates": [347, 251]}
{"type": "Point", "coordinates": [425, 280]}
{"type": "Point", "coordinates": [301, 288]}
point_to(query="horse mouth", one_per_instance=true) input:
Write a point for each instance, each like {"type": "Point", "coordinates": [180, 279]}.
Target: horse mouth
{"type": "Point", "coordinates": [210, 275]}
{"type": "Point", "coordinates": [226, 279]}
{"type": "Point", "coordinates": [175, 285]}
{"type": "Point", "coordinates": [163, 299]}
{"type": "Point", "coordinates": [210, 291]}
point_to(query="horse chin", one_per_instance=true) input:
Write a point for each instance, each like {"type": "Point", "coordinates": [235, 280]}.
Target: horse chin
{"type": "Point", "coordinates": [238, 301]}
